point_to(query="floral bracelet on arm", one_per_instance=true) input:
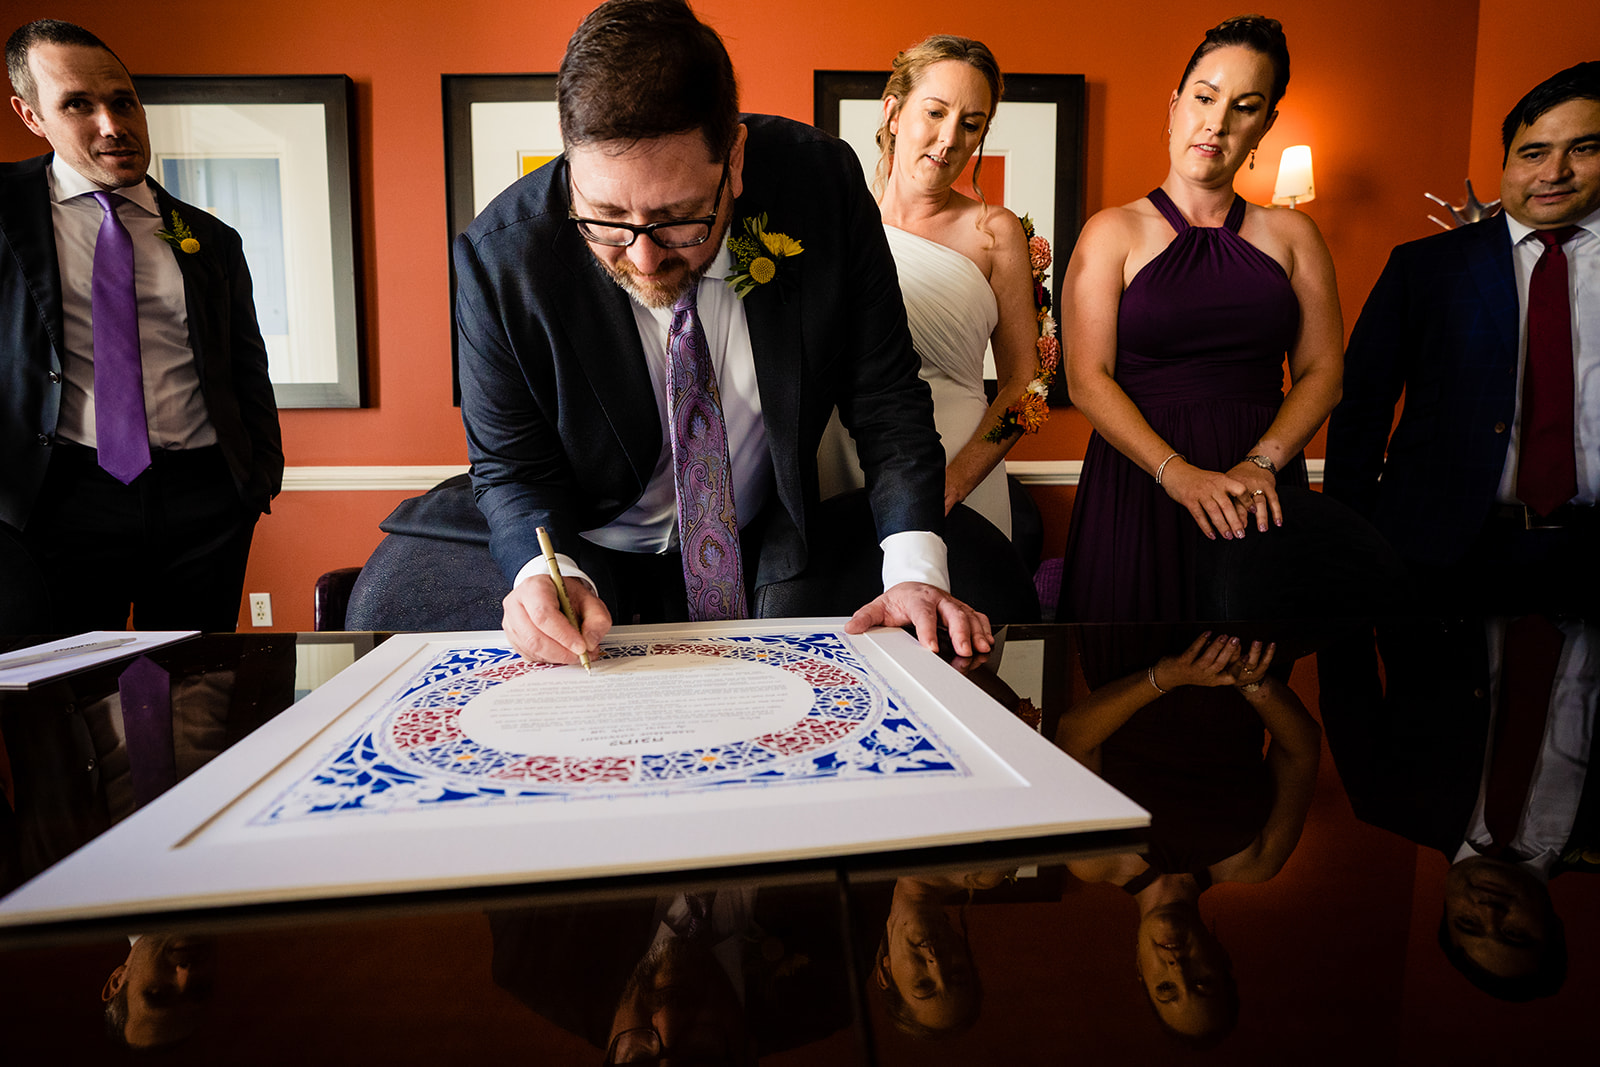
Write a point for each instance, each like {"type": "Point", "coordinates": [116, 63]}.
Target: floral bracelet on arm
{"type": "Point", "coordinates": [1029, 411]}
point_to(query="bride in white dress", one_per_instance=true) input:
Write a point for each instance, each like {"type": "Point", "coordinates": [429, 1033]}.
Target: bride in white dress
{"type": "Point", "coordinates": [963, 269]}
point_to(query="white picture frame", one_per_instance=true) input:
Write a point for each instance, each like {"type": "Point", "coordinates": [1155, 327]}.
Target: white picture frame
{"type": "Point", "coordinates": [212, 841]}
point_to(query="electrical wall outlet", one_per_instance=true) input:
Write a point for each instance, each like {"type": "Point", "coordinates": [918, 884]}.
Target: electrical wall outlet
{"type": "Point", "coordinates": [260, 609]}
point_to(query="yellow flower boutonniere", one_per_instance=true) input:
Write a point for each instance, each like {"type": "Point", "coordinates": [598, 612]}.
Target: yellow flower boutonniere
{"type": "Point", "coordinates": [180, 236]}
{"type": "Point", "coordinates": [760, 254]}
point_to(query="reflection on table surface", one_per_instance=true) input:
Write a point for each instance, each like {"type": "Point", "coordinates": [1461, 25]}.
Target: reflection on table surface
{"type": "Point", "coordinates": [1331, 875]}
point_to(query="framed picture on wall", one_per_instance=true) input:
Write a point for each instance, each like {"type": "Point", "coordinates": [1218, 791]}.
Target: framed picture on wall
{"type": "Point", "coordinates": [1033, 157]}
{"type": "Point", "coordinates": [497, 127]}
{"type": "Point", "coordinates": [272, 157]}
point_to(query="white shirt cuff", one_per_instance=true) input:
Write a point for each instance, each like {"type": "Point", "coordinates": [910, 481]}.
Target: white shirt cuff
{"type": "Point", "coordinates": [569, 571]}
{"type": "Point", "coordinates": [912, 556]}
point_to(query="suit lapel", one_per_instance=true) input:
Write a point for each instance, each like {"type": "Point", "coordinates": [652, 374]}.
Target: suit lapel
{"type": "Point", "coordinates": [777, 341]}
{"type": "Point", "coordinates": [27, 226]}
{"type": "Point", "coordinates": [200, 274]}
{"type": "Point", "coordinates": [597, 317]}
{"type": "Point", "coordinates": [1490, 264]}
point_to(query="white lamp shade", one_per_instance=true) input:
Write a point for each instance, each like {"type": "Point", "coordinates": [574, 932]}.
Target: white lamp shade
{"type": "Point", "coordinates": [1294, 176]}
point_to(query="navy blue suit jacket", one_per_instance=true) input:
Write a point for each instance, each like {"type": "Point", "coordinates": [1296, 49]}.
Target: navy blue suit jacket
{"type": "Point", "coordinates": [1441, 323]}
{"type": "Point", "coordinates": [561, 421]}
{"type": "Point", "coordinates": [229, 354]}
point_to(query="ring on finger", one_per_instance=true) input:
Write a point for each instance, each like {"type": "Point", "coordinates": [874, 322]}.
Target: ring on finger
{"type": "Point", "coordinates": [1258, 492]}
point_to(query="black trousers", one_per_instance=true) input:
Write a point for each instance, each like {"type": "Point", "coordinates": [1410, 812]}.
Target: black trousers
{"type": "Point", "coordinates": [171, 546]}
{"type": "Point", "coordinates": [1512, 570]}
{"type": "Point", "coordinates": [641, 587]}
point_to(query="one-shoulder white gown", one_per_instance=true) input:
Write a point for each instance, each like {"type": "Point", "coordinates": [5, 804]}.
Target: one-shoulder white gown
{"type": "Point", "coordinates": [952, 312]}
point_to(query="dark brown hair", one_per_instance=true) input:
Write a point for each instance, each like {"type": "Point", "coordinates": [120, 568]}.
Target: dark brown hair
{"type": "Point", "coordinates": [44, 31]}
{"type": "Point", "coordinates": [1255, 32]}
{"type": "Point", "coordinates": [639, 69]}
{"type": "Point", "coordinates": [1581, 82]}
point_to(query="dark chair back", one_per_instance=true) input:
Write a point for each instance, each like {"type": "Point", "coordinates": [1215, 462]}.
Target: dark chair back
{"type": "Point", "coordinates": [433, 571]}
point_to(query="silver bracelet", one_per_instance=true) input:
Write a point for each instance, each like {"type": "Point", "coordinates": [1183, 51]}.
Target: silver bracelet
{"type": "Point", "coordinates": [1151, 674]}
{"type": "Point", "coordinates": [1263, 462]}
{"type": "Point", "coordinates": [1161, 469]}
{"type": "Point", "coordinates": [1250, 687]}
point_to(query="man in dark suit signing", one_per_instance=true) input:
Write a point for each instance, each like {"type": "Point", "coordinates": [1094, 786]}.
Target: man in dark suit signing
{"type": "Point", "coordinates": [1491, 478]}
{"type": "Point", "coordinates": [139, 438]}
{"type": "Point", "coordinates": [654, 329]}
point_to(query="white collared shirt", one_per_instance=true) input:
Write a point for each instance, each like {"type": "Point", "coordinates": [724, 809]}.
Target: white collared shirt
{"type": "Point", "coordinates": [1583, 280]}
{"type": "Point", "coordinates": [651, 524]}
{"type": "Point", "coordinates": [1551, 807]}
{"type": "Point", "coordinates": [175, 412]}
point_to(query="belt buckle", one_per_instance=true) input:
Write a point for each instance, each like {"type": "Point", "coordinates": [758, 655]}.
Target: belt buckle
{"type": "Point", "coordinates": [1532, 520]}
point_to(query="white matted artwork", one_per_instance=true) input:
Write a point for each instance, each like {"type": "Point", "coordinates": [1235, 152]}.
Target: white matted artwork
{"type": "Point", "coordinates": [255, 166]}
{"type": "Point", "coordinates": [270, 156]}
{"type": "Point", "coordinates": [445, 761]}
{"type": "Point", "coordinates": [510, 138]}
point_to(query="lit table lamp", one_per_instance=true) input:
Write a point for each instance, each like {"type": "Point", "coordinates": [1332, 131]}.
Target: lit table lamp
{"type": "Point", "coordinates": [1294, 177]}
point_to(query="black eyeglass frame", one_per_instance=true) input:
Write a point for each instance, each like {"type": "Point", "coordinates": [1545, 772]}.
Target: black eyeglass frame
{"type": "Point", "coordinates": [649, 229]}
{"type": "Point", "coordinates": [660, 1046]}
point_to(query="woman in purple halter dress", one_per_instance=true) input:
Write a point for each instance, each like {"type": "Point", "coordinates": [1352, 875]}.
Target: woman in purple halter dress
{"type": "Point", "coordinates": [1179, 310]}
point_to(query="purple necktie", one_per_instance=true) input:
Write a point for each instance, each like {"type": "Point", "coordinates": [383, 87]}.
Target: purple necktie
{"type": "Point", "coordinates": [1547, 465]}
{"type": "Point", "coordinates": [121, 434]}
{"type": "Point", "coordinates": [708, 526]}
{"type": "Point", "coordinates": [145, 690]}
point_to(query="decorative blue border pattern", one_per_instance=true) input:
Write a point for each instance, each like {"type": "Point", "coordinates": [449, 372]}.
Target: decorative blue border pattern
{"type": "Point", "coordinates": [412, 755]}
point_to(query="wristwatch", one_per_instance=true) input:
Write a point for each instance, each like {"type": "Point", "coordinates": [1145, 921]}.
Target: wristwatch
{"type": "Point", "coordinates": [1263, 462]}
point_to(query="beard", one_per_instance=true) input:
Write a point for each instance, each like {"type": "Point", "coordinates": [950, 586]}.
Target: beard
{"type": "Point", "coordinates": [661, 289]}
{"type": "Point", "coordinates": [673, 277]}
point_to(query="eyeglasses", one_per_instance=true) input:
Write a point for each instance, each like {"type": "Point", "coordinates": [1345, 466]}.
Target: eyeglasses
{"type": "Point", "coordinates": [682, 233]}
{"type": "Point", "coordinates": [642, 1046]}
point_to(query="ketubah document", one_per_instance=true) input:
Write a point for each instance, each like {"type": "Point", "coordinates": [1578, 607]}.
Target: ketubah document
{"type": "Point", "coordinates": [446, 760]}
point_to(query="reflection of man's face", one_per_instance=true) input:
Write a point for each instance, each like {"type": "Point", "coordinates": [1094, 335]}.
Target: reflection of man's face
{"type": "Point", "coordinates": [1498, 914]}
{"type": "Point", "coordinates": [679, 989]}
{"type": "Point", "coordinates": [168, 980]}
{"type": "Point", "coordinates": [657, 180]}
{"type": "Point", "coordinates": [1183, 968]}
{"type": "Point", "coordinates": [929, 963]}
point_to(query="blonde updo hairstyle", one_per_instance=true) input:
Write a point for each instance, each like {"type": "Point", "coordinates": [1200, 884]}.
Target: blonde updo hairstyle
{"type": "Point", "coordinates": [909, 66]}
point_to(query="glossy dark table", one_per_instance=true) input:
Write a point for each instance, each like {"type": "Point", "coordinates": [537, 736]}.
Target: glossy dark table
{"type": "Point", "coordinates": [1335, 958]}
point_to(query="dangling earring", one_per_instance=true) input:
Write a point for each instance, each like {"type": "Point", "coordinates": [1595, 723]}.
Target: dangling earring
{"type": "Point", "coordinates": [1252, 159]}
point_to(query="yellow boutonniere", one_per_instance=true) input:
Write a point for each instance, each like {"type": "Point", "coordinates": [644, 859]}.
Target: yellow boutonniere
{"type": "Point", "coordinates": [180, 236]}
{"type": "Point", "coordinates": [759, 254]}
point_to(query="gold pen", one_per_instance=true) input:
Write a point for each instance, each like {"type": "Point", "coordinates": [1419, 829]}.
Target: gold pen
{"type": "Point", "coordinates": [561, 591]}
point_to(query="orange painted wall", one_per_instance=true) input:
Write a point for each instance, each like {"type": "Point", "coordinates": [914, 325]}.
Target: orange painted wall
{"type": "Point", "coordinates": [1383, 91]}
{"type": "Point", "coordinates": [1515, 53]}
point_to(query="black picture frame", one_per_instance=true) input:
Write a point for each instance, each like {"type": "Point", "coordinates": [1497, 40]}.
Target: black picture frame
{"type": "Point", "coordinates": [1069, 94]}
{"type": "Point", "coordinates": [459, 92]}
{"type": "Point", "coordinates": [331, 351]}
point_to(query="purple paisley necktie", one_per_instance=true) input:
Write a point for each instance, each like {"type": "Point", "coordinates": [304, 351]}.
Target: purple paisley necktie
{"type": "Point", "coordinates": [708, 526]}
{"type": "Point", "coordinates": [121, 435]}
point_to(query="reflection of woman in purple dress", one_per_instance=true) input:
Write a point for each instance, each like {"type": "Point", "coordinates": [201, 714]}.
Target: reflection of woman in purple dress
{"type": "Point", "coordinates": [1179, 309]}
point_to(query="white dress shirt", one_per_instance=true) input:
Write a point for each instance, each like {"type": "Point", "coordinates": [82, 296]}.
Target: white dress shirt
{"type": "Point", "coordinates": [1551, 806]}
{"type": "Point", "coordinates": [651, 524]}
{"type": "Point", "coordinates": [1583, 279]}
{"type": "Point", "coordinates": [175, 412]}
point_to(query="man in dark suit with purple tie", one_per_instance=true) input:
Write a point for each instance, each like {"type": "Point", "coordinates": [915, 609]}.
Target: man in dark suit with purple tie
{"type": "Point", "coordinates": [587, 291]}
{"type": "Point", "coordinates": [139, 437]}
{"type": "Point", "coordinates": [1488, 485]}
